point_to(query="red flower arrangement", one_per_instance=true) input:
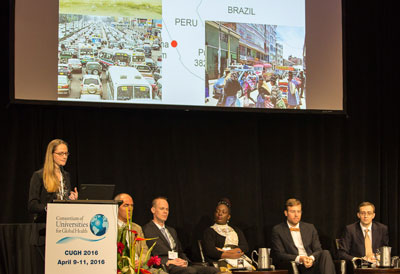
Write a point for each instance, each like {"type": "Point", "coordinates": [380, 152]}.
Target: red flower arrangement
{"type": "Point", "coordinates": [144, 271]}
{"type": "Point", "coordinates": [120, 247]}
{"type": "Point", "coordinates": [126, 258]}
{"type": "Point", "coordinates": [155, 260]}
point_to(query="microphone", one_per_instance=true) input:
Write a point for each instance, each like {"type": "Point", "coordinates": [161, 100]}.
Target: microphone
{"type": "Point", "coordinates": [63, 186]}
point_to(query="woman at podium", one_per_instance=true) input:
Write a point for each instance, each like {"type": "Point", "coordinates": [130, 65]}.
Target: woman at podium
{"type": "Point", "coordinates": [51, 182]}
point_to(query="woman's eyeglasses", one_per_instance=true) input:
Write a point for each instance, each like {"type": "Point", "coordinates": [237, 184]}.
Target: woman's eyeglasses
{"type": "Point", "coordinates": [62, 153]}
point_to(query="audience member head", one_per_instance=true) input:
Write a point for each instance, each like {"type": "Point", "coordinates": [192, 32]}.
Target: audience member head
{"type": "Point", "coordinates": [227, 74]}
{"type": "Point", "coordinates": [125, 210]}
{"type": "Point", "coordinates": [160, 210]}
{"type": "Point", "coordinates": [366, 213]}
{"type": "Point", "coordinates": [273, 79]}
{"type": "Point", "coordinates": [223, 211]}
{"type": "Point", "coordinates": [234, 76]}
{"type": "Point", "coordinates": [56, 157]}
{"type": "Point", "coordinates": [293, 211]}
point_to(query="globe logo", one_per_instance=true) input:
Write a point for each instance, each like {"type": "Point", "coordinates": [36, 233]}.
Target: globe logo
{"type": "Point", "coordinates": [99, 224]}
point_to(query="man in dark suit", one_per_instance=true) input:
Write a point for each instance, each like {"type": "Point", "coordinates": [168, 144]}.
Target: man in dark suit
{"type": "Point", "coordinates": [168, 246]}
{"type": "Point", "coordinates": [298, 241]}
{"type": "Point", "coordinates": [363, 238]}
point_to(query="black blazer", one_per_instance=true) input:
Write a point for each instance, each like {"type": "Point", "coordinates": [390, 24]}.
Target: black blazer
{"type": "Point", "coordinates": [283, 247]}
{"type": "Point", "coordinates": [351, 244]}
{"type": "Point", "coordinates": [39, 197]}
{"type": "Point", "coordinates": [211, 240]}
{"type": "Point", "coordinates": [162, 247]}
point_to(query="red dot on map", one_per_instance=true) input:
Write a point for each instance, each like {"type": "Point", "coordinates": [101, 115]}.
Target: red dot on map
{"type": "Point", "coordinates": [174, 44]}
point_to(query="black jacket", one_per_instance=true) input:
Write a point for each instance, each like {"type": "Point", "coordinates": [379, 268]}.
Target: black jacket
{"type": "Point", "coordinates": [162, 247]}
{"type": "Point", "coordinates": [351, 244]}
{"type": "Point", "coordinates": [39, 197]}
{"type": "Point", "coordinates": [283, 247]}
{"type": "Point", "coordinates": [211, 240]}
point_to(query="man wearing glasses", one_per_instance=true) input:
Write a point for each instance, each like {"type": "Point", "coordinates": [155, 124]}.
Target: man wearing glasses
{"type": "Point", "coordinates": [363, 238]}
{"type": "Point", "coordinates": [298, 241]}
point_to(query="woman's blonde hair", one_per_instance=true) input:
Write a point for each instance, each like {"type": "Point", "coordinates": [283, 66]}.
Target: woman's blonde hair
{"type": "Point", "coordinates": [51, 182]}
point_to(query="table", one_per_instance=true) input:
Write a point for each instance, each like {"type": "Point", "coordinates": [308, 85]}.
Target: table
{"type": "Point", "coordinates": [376, 270]}
{"type": "Point", "coordinates": [262, 272]}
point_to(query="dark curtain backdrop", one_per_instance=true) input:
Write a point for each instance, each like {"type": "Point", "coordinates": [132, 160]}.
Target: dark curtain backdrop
{"type": "Point", "coordinates": [330, 162]}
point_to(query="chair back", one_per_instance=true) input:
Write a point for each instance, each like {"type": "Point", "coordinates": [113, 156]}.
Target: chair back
{"type": "Point", "coordinates": [201, 251]}
{"type": "Point", "coordinates": [203, 261]}
{"type": "Point", "coordinates": [340, 265]}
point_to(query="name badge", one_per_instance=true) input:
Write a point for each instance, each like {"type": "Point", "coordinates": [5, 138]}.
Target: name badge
{"type": "Point", "coordinates": [172, 255]}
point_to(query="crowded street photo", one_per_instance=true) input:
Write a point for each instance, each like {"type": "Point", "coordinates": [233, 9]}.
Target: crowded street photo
{"type": "Point", "coordinates": [255, 65]}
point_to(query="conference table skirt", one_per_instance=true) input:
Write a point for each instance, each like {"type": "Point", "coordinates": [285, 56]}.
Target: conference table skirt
{"type": "Point", "coordinates": [17, 253]}
{"type": "Point", "coordinates": [376, 270]}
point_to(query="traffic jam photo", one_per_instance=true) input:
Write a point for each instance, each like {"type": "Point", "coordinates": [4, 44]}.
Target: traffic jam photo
{"type": "Point", "coordinates": [109, 58]}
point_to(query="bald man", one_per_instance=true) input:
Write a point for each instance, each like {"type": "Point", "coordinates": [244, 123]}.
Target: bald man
{"type": "Point", "coordinates": [168, 246]}
{"type": "Point", "coordinates": [124, 212]}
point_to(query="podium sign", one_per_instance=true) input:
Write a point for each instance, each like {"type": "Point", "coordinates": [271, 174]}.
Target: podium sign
{"type": "Point", "coordinates": [81, 238]}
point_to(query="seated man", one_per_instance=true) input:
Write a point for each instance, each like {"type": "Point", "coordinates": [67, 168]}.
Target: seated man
{"type": "Point", "coordinates": [125, 209]}
{"type": "Point", "coordinates": [168, 247]}
{"type": "Point", "coordinates": [361, 239]}
{"type": "Point", "coordinates": [298, 241]}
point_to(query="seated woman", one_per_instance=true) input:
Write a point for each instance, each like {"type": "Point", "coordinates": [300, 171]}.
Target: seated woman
{"type": "Point", "coordinates": [221, 241]}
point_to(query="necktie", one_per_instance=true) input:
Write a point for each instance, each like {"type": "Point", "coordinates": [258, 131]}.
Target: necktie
{"type": "Point", "coordinates": [164, 232]}
{"type": "Point", "coordinates": [294, 229]}
{"type": "Point", "coordinates": [368, 244]}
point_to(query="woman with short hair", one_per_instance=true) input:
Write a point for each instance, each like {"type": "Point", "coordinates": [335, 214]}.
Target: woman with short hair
{"type": "Point", "coordinates": [222, 241]}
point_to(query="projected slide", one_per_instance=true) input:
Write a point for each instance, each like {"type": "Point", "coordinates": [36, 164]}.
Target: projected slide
{"type": "Point", "coordinates": [224, 53]}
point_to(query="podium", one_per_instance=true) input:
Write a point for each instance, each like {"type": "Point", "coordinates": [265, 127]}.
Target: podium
{"type": "Point", "coordinates": [81, 237]}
